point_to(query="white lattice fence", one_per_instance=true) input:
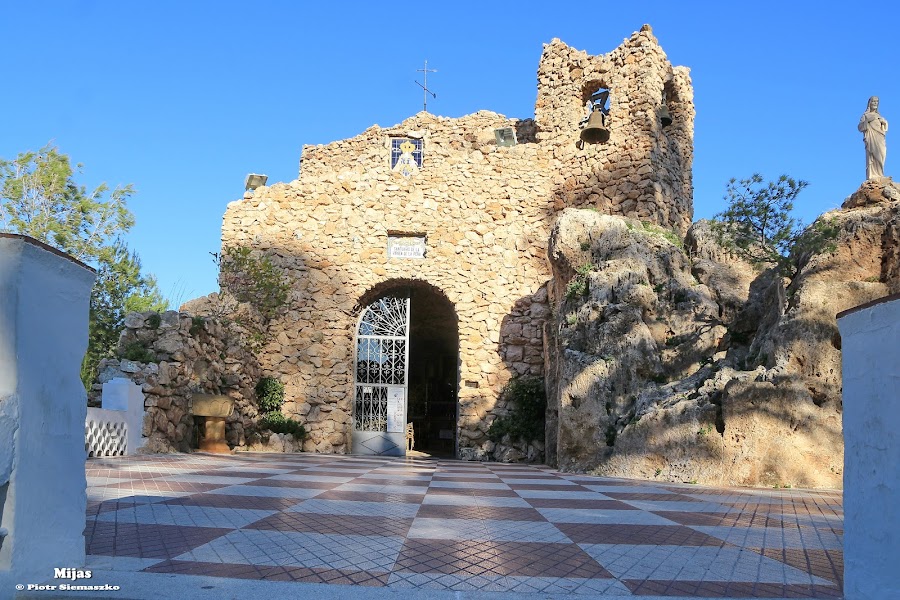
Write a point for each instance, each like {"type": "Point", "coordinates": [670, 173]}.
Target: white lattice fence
{"type": "Point", "coordinates": [105, 433]}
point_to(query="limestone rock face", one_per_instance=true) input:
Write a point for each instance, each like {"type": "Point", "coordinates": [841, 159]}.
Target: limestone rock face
{"type": "Point", "coordinates": [638, 320]}
{"type": "Point", "coordinates": [873, 191]}
{"type": "Point", "coordinates": [737, 380]}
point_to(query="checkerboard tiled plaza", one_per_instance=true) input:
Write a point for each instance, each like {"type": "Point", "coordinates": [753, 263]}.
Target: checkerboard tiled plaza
{"type": "Point", "coordinates": [451, 525]}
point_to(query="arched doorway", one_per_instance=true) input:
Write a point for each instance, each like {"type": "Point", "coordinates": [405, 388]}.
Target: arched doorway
{"type": "Point", "coordinates": [406, 371]}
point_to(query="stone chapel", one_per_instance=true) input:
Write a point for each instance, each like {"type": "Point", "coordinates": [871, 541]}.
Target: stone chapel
{"type": "Point", "coordinates": [417, 254]}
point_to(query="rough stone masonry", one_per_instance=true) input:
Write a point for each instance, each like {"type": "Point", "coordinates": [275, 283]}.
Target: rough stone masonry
{"type": "Point", "coordinates": [485, 212]}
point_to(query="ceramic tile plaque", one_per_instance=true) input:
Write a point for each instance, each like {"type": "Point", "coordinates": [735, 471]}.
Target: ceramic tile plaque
{"type": "Point", "coordinates": [406, 246]}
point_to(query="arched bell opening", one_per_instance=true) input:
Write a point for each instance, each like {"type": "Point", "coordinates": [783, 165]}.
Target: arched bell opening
{"type": "Point", "coordinates": [594, 125]}
{"type": "Point", "coordinates": [406, 371]}
{"type": "Point", "coordinates": [667, 108]}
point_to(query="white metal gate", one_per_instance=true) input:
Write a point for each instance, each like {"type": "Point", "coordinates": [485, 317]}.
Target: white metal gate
{"type": "Point", "coordinates": [381, 378]}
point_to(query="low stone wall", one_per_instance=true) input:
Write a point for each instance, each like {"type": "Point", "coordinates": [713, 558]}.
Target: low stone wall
{"type": "Point", "coordinates": [175, 356]}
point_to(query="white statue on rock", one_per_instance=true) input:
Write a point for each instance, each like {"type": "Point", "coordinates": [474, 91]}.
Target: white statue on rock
{"type": "Point", "coordinates": [874, 127]}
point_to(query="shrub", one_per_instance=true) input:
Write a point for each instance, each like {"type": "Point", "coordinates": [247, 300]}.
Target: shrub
{"type": "Point", "coordinates": [611, 434]}
{"type": "Point", "coordinates": [276, 422]}
{"type": "Point", "coordinates": [525, 422]}
{"type": "Point", "coordinates": [578, 285]}
{"type": "Point", "coordinates": [253, 279]}
{"type": "Point", "coordinates": [153, 321]}
{"type": "Point", "coordinates": [270, 393]}
{"type": "Point", "coordinates": [197, 325]}
{"type": "Point", "coordinates": [137, 352]}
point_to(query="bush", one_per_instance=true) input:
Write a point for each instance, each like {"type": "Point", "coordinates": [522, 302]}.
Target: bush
{"type": "Point", "coordinates": [198, 324]}
{"type": "Point", "coordinates": [276, 422]}
{"type": "Point", "coordinates": [270, 393]}
{"type": "Point", "coordinates": [137, 352]}
{"type": "Point", "coordinates": [578, 285]}
{"type": "Point", "coordinates": [253, 279]}
{"type": "Point", "coordinates": [154, 321]}
{"type": "Point", "coordinates": [526, 420]}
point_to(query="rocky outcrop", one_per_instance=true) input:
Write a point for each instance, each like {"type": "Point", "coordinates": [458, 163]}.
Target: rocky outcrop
{"type": "Point", "coordinates": [691, 365]}
{"type": "Point", "coordinates": [873, 191]}
{"type": "Point", "coordinates": [173, 356]}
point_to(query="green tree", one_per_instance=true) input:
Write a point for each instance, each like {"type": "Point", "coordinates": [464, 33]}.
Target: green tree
{"type": "Point", "coordinates": [250, 279]}
{"type": "Point", "coordinates": [120, 288]}
{"type": "Point", "coordinates": [40, 198]}
{"type": "Point", "coordinates": [757, 224]}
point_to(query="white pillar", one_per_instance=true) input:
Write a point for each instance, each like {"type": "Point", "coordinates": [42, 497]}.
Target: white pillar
{"type": "Point", "coordinates": [125, 395]}
{"type": "Point", "coordinates": [870, 342]}
{"type": "Point", "coordinates": [44, 297]}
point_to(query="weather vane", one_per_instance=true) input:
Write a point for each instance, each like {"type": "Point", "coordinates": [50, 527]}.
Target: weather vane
{"type": "Point", "coordinates": [424, 86]}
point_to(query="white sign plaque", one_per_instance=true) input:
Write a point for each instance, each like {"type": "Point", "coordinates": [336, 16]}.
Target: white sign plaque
{"type": "Point", "coordinates": [396, 409]}
{"type": "Point", "coordinates": [406, 246]}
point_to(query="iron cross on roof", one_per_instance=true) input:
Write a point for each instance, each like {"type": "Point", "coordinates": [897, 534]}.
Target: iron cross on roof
{"type": "Point", "coordinates": [424, 86]}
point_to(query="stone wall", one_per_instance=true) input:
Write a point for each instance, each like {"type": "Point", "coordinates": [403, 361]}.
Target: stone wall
{"type": "Point", "coordinates": [483, 211]}
{"type": "Point", "coordinates": [486, 213]}
{"type": "Point", "coordinates": [184, 356]}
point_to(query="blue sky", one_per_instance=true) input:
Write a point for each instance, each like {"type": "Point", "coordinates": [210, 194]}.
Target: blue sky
{"type": "Point", "coordinates": [183, 99]}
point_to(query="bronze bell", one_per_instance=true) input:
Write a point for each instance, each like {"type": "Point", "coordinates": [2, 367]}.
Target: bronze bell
{"type": "Point", "coordinates": [664, 116]}
{"type": "Point", "coordinates": [595, 131]}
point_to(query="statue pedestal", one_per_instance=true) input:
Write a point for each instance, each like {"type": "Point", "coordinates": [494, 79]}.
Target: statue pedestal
{"type": "Point", "coordinates": [214, 436]}
{"type": "Point", "coordinates": [214, 409]}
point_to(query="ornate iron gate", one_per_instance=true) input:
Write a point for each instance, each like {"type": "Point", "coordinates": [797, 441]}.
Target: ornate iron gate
{"type": "Point", "coordinates": [382, 359]}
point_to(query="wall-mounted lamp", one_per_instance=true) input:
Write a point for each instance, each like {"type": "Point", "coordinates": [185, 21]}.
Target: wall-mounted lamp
{"type": "Point", "coordinates": [254, 180]}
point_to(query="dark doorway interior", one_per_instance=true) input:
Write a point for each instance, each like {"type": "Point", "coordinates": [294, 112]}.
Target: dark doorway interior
{"type": "Point", "coordinates": [433, 361]}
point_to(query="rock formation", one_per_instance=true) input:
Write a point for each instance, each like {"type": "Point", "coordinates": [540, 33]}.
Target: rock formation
{"type": "Point", "coordinates": [173, 356]}
{"type": "Point", "coordinates": [690, 365]}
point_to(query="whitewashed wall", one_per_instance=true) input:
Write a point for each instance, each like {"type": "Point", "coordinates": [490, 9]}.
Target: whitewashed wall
{"type": "Point", "coordinates": [115, 429]}
{"type": "Point", "coordinates": [870, 340]}
{"type": "Point", "coordinates": [44, 297]}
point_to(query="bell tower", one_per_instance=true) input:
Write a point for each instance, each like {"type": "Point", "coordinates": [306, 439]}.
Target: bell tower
{"type": "Point", "coordinates": [620, 129]}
